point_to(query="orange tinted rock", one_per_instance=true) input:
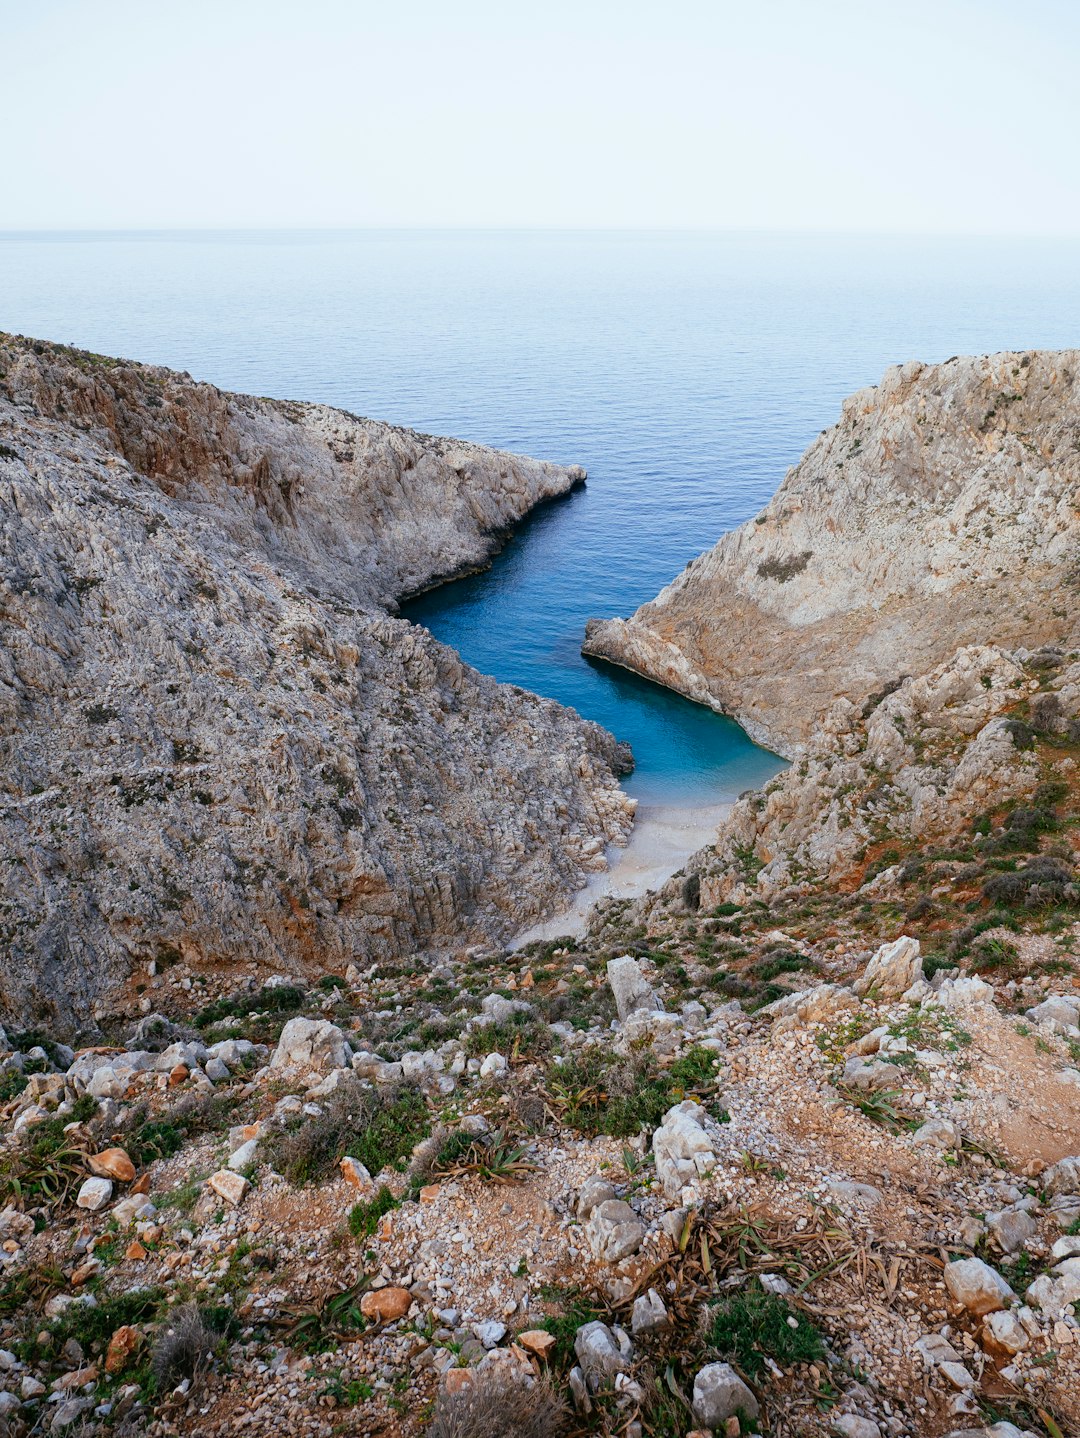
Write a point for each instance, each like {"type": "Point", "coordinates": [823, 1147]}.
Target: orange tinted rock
{"type": "Point", "coordinates": [178, 1075]}
{"type": "Point", "coordinates": [356, 1175]}
{"type": "Point", "coordinates": [123, 1345]}
{"type": "Point", "coordinates": [141, 1184]}
{"type": "Point", "coordinates": [135, 1251]}
{"type": "Point", "coordinates": [112, 1163]}
{"type": "Point", "coordinates": [386, 1304]}
{"type": "Point", "coordinates": [456, 1379]}
{"type": "Point", "coordinates": [429, 1193]}
{"type": "Point", "coordinates": [228, 1185]}
{"type": "Point", "coordinates": [538, 1341]}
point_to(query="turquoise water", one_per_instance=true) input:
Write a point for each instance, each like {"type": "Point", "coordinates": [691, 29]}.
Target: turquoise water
{"type": "Point", "coordinates": [686, 372]}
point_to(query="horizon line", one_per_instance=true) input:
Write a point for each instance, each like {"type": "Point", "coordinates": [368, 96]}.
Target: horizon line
{"type": "Point", "coordinates": [30, 231]}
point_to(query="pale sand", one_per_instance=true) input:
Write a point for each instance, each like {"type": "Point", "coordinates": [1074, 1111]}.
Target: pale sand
{"type": "Point", "coordinates": [663, 838]}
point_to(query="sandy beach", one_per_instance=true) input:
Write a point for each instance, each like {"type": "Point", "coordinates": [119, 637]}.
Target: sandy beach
{"type": "Point", "coordinates": [663, 838]}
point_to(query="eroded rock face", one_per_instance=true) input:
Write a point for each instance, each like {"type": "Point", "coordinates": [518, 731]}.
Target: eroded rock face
{"type": "Point", "coordinates": [217, 746]}
{"type": "Point", "coordinates": [932, 516]}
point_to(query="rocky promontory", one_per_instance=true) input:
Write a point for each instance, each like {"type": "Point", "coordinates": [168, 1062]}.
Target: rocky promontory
{"type": "Point", "coordinates": [219, 749]}
{"type": "Point", "coordinates": [941, 510]}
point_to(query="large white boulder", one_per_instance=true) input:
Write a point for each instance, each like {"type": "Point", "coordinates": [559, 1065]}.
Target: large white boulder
{"type": "Point", "coordinates": [720, 1394]}
{"type": "Point", "coordinates": [682, 1148]}
{"type": "Point", "coordinates": [976, 1286]}
{"type": "Point", "coordinates": [613, 1230]}
{"type": "Point", "coordinates": [311, 1044]}
{"type": "Point", "coordinates": [892, 970]}
{"type": "Point", "coordinates": [633, 992]}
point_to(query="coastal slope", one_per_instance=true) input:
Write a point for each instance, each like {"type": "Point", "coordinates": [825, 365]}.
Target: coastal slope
{"type": "Point", "coordinates": [218, 746]}
{"type": "Point", "coordinates": [941, 510]}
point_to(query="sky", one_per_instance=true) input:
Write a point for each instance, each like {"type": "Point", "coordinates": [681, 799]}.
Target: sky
{"type": "Point", "coordinates": [929, 116]}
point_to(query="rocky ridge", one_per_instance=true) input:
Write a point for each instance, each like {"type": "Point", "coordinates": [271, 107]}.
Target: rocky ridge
{"type": "Point", "coordinates": [218, 746]}
{"type": "Point", "coordinates": [941, 511]}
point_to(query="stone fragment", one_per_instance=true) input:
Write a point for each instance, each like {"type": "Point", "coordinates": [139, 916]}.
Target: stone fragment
{"type": "Point", "coordinates": [244, 1156]}
{"type": "Point", "coordinates": [112, 1163]}
{"type": "Point", "coordinates": [600, 1353]}
{"type": "Point", "coordinates": [870, 1076]}
{"type": "Point", "coordinates": [386, 1305]}
{"type": "Point", "coordinates": [613, 1231]}
{"type": "Point", "coordinates": [490, 1332]}
{"type": "Point", "coordinates": [123, 1346]}
{"type": "Point", "coordinates": [494, 1066]}
{"type": "Point", "coordinates": [594, 1191]}
{"type": "Point", "coordinates": [682, 1149]}
{"type": "Point", "coordinates": [939, 1133]}
{"type": "Point", "coordinates": [94, 1194]}
{"type": "Point", "coordinates": [892, 970]}
{"type": "Point", "coordinates": [649, 1313]}
{"type": "Point", "coordinates": [1063, 1177]}
{"type": "Point", "coordinates": [633, 992]}
{"type": "Point", "coordinates": [228, 1185]}
{"type": "Point", "coordinates": [976, 1286]}
{"type": "Point", "coordinates": [1012, 1229]}
{"type": "Point", "coordinates": [851, 1425]}
{"type": "Point", "coordinates": [538, 1341]}
{"type": "Point", "coordinates": [311, 1045]}
{"type": "Point", "coordinates": [1004, 1331]}
{"type": "Point", "coordinates": [720, 1394]}
{"type": "Point", "coordinates": [356, 1175]}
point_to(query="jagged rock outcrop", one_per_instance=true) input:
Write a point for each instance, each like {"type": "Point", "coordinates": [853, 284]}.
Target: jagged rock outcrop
{"type": "Point", "coordinates": [217, 747]}
{"type": "Point", "coordinates": [940, 512]}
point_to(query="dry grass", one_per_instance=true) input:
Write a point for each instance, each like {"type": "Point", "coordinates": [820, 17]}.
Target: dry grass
{"type": "Point", "coordinates": [491, 1406]}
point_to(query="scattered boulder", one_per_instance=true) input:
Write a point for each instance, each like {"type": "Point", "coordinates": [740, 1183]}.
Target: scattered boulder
{"type": "Point", "coordinates": [1063, 1177]}
{"type": "Point", "coordinates": [1012, 1229]}
{"type": "Point", "coordinates": [601, 1352]}
{"type": "Point", "coordinates": [593, 1191]}
{"type": "Point", "coordinates": [112, 1163]}
{"type": "Point", "coordinates": [720, 1394]}
{"type": "Point", "coordinates": [939, 1133]}
{"type": "Point", "coordinates": [892, 970]}
{"type": "Point", "coordinates": [633, 992]}
{"type": "Point", "coordinates": [494, 1066]}
{"type": "Point", "coordinates": [613, 1231]}
{"type": "Point", "coordinates": [228, 1185]}
{"type": "Point", "coordinates": [356, 1175]}
{"type": "Point", "coordinates": [649, 1313]}
{"type": "Point", "coordinates": [94, 1194]}
{"type": "Point", "coordinates": [311, 1044]}
{"type": "Point", "coordinates": [386, 1305]}
{"type": "Point", "coordinates": [868, 1076]}
{"type": "Point", "coordinates": [683, 1150]}
{"type": "Point", "coordinates": [976, 1286]}
{"type": "Point", "coordinates": [123, 1346]}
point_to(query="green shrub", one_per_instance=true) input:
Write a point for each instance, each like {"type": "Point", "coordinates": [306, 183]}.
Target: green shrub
{"type": "Point", "coordinates": [379, 1127]}
{"type": "Point", "coordinates": [753, 1325]}
{"type": "Point", "coordinates": [364, 1217]}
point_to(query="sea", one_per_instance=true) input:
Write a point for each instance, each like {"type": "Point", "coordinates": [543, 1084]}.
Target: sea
{"type": "Point", "coordinates": [686, 372]}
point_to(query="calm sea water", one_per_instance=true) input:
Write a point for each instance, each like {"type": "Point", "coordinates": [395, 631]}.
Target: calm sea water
{"type": "Point", "coordinates": [686, 372]}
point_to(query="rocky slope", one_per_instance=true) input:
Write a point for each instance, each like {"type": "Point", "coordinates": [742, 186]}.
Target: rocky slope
{"type": "Point", "coordinates": [217, 747]}
{"type": "Point", "coordinates": [790, 1146]}
{"type": "Point", "coordinates": [943, 509]}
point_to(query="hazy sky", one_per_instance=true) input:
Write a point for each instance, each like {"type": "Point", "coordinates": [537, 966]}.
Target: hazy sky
{"type": "Point", "coordinates": [923, 115]}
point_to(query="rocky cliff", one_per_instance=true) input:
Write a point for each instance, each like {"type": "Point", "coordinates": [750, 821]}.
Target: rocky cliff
{"type": "Point", "coordinates": [943, 509]}
{"type": "Point", "coordinates": [217, 746]}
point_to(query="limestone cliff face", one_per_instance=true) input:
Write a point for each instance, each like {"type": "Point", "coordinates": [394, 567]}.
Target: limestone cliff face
{"type": "Point", "coordinates": [941, 511]}
{"type": "Point", "coordinates": [216, 744]}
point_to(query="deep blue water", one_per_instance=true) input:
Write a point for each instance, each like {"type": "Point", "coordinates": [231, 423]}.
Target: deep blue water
{"type": "Point", "coordinates": [686, 372]}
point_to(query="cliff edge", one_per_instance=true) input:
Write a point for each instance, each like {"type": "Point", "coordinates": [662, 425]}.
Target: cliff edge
{"type": "Point", "coordinates": [217, 746]}
{"type": "Point", "coordinates": [941, 510]}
